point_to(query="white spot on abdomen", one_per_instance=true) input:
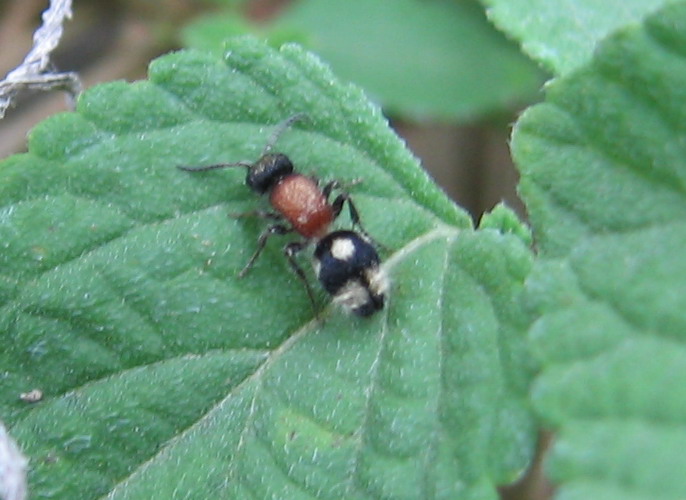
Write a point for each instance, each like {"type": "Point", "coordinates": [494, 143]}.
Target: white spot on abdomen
{"type": "Point", "coordinates": [342, 248]}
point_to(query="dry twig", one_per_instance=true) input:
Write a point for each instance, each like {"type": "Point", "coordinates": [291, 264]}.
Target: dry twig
{"type": "Point", "coordinates": [35, 72]}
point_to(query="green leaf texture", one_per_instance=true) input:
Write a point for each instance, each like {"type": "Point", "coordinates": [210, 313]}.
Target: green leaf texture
{"type": "Point", "coordinates": [164, 376]}
{"type": "Point", "coordinates": [563, 35]}
{"type": "Point", "coordinates": [603, 166]}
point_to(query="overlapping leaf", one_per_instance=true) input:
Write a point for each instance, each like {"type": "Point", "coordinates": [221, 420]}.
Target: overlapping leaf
{"type": "Point", "coordinates": [604, 176]}
{"type": "Point", "coordinates": [562, 35]}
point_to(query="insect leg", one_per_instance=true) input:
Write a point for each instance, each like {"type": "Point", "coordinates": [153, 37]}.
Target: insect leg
{"type": "Point", "coordinates": [262, 214]}
{"type": "Point", "coordinates": [290, 251]}
{"type": "Point", "coordinates": [261, 242]}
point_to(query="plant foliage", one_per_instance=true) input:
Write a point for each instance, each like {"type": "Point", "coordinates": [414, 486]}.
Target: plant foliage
{"type": "Point", "coordinates": [165, 376]}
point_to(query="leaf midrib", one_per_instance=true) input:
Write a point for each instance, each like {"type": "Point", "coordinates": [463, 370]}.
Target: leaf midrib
{"type": "Point", "coordinates": [440, 231]}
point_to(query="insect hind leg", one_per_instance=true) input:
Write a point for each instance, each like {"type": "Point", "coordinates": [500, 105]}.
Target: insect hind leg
{"type": "Point", "coordinates": [290, 251]}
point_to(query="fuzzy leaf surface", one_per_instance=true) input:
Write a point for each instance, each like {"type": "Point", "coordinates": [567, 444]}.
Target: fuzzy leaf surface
{"type": "Point", "coordinates": [165, 376]}
{"type": "Point", "coordinates": [562, 35]}
{"type": "Point", "coordinates": [603, 165]}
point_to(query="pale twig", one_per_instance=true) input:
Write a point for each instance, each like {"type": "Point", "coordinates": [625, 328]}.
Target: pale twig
{"type": "Point", "coordinates": [34, 72]}
{"type": "Point", "coordinates": [12, 468]}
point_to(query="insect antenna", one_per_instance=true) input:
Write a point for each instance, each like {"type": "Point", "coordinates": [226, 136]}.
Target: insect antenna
{"type": "Point", "coordinates": [217, 166]}
{"type": "Point", "coordinates": [280, 129]}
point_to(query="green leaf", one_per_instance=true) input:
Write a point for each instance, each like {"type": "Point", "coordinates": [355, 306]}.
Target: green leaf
{"type": "Point", "coordinates": [562, 35]}
{"type": "Point", "coordinates": [210, 32]}
{"type": "Point", "coordinates": [165, 376]}
{"type": "Point", "coordinates": [503, 219]}
{"type": "Point", "coordinates": [603, 166]}
{"type": "Point", "coordinates": [423, 60]}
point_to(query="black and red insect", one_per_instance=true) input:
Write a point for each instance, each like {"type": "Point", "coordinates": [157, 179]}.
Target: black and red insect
{"type": "Point", "coordinates": [346, 262]}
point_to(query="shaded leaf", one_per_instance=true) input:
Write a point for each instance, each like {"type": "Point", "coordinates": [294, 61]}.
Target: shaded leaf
{"type": "Point", "coordinates": [210, 32]}
{"type": "Point", "coordinates": [423, 60]}
{"type": "Point", "coordinates": [419, 59]}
